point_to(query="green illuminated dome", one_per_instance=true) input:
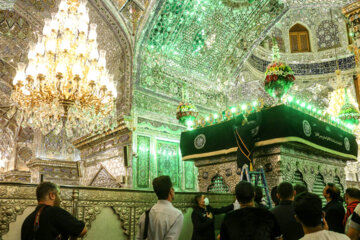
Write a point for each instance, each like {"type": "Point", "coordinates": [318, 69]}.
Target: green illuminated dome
{"type": "Point", "coordinates": [349, 113]}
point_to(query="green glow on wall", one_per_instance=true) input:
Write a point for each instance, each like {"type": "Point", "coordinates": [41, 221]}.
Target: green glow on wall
{"type": "Point", "coordinates": [143, 161]}
{"type": "Point", "coordinates": [168, 161]}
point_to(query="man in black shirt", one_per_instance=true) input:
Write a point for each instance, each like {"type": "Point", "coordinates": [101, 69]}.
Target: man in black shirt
{"type": "Point", "coordinates": [203, 218]}
{"type": "Point", "coordinates": [248, 222]}
{"type": "Point", "coordinates": [49, 221]}
{"type": "Point", "coordinates": [285, 214]}
{"type": "Point", "coordinates": [334, 210]}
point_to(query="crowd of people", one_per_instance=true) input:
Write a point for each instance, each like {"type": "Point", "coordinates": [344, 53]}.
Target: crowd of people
{"type": "Point", "coordinates": [298, 214]}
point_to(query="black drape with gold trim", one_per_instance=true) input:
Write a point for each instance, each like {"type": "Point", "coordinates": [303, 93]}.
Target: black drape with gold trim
{"type": "Point", "coordinates": [273, 125]}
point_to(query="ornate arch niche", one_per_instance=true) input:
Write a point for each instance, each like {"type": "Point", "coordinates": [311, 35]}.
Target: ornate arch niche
{"type": "Point", "coordinates": [299, 39]}
{"type": "Point", "coordinates": [218, 185]}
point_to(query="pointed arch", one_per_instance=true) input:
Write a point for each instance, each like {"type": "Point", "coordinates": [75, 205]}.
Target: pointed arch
{"type": "Point", "coordinates": [298, 178]}
{"type": "Point", "coordinates": [338, 184]}
{"type": "Point", "coordinates": [299, 39]}
{"type": "Point", "coordinates": [319, 186]}
{"type": "Point", "coordinates": [218, 185]}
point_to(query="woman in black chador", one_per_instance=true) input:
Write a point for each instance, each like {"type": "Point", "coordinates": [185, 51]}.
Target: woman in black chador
{"type": "Point", "coordinates": [203, 218]}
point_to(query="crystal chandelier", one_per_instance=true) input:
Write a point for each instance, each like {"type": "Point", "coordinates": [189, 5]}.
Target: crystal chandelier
{"type": "Point", "coordinates": [65, 84]}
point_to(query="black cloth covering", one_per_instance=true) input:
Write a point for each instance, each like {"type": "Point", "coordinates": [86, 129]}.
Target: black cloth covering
{"type": "Point", "coordinates": [285, 216]}
{"type": "Point", "coordinates": [54, 221]}
{"type": "Point", "coordinates": [335, 213]}
{"type": "Point", "coordinates": [204, 226]}
{"type": "Point", "coordinates": [249, 223]}
{"type": "Point", "coordinates": [273, 125]}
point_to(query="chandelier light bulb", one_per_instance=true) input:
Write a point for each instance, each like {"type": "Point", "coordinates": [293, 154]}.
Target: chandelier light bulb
{"type": "Point", "coordinates": [20, 74]}
{"type": "Point", "coordinates": [82, 10]}
{"type": "Point", "coordinates": [47, 27]}
{"type": "Point", "coordinates": [92, 32]}
{"type": "Point", "coordinates": [102, 59]}
{"type": "Point", "coordinates": [63, 7]}
{"type": "Point", "coordinates": [41, 68]}
{"type": "Point", "coordinates": [32, 53]}
{"type": "Point", "coordinates": [69, 24]}
{"type": "Point", "coordinates": [81, 49]}
{"type": "Point", "coordinates": [93, 74]}
{"type": "Point", "coordinates": [94, 54]}
{"type": "Point", "coordinates": [31, 70]}
{"type": "Point", "coordinates": [104, 79]}
{"type": "Point", "coordinates": [50, 46]}
{"type": "Point", "coordinates": [61, 68]}
{"type": "Point", "coordinates": [85, 18]}
{"type": "Point", "coordinates": [65, 45]}
{"type": "Point", "coordinates": [83, 27]}
{"type": "Point", "coordinates": [54, 24]}
{"type": "Point", "coordinates": [77, 70]}
{"type": "Point", "coordinates": [40, 48]}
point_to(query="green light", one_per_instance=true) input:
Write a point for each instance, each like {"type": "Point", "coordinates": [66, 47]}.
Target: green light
{"type": "Point", "coordinates": [233, 109]}
{"type": "Point", "coordinates": [254, 103]}
{"type": "Point", "coordinates": [302, 104]}
{"type": "Point", "coordinates": [207, 118]}
{"type": "Point", "coordinates": [308, 107]}
{"type": "Point", "coordinates": [216, 116]}
{"type": "Point", "coordinates": [298, 101]}
{"type": "Point", "coordinates": [319, 112]}
{"type": "Point", "coordinates": [243, 107]}
{"type": "Point", "coordinates": [290, 98]}
{"type": "Point", "coordinates": [189, 123]}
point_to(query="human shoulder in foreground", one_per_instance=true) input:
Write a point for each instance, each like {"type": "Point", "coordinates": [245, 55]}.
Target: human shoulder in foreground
{"type": "Point", "coordinates": [248, 222]}
{"type": "Point", "coordinates": [165, 221]}
{"type": "Point", "coordinates": [308, 211]}
{"type": "Point", "coordinates": [49, 221]}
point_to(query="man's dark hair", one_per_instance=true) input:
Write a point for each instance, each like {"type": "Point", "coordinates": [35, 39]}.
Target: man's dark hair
{"type": "Point", "coordinates": [353, 193]}
{"type": "Point", "coordinates": [285, 190]}
{"type": "Point", "coordinates": [308, 209]}
{"type": "Point", "coordinates": [244, 192]}
{"type": "Point", "coordinates": [334, 192]}
{"type": "Point", "coordinates": [258, 194]}
{"type": "Point", "coordinates": [196, 199]}
{"type": "Point", "coordinates": [274, 198]}
{"type": "Point", "coordinates": [44, 188]}
{"type": "Point", "coordinates": [162, 186]}
{"type": "Point", "coordinates": [300, 188]}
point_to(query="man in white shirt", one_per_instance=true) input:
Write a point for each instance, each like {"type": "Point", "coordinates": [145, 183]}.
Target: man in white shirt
{"type": "Point", "coordinates": [165, 221]}
{"type": "Point", "coordinates": [308, 211]}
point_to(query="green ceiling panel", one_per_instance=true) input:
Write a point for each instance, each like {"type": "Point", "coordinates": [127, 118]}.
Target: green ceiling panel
{"type": "Point", "coordinates": [204, 39]}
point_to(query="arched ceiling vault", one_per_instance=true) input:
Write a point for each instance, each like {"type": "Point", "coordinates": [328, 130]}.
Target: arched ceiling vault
{"type": "Point", "coordinates": [205, 42]}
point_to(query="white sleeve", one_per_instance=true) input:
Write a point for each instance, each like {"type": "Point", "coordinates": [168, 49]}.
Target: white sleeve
{"type": "Point", "coordinates": [140, 233]}
{"type": "Point", "coordinates": [236, 205]}
{"type": "Point", "coordinates": [175, 230]}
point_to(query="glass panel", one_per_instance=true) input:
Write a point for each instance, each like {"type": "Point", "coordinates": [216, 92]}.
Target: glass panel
{"type": "Point", "coordinates": [189, 176]}
{"type": "Point", "coordinates": [143, 161]}
{"type": "Point", "coordinates": [167, 157]}
{"type": "Point", "coordinates": [304, 42]}
{"type": "Point", "coordinates": [294, 43]}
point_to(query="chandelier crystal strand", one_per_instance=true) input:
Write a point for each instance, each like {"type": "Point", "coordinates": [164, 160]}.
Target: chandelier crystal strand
{"type": "Point", "coordinates": [65, 84]}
